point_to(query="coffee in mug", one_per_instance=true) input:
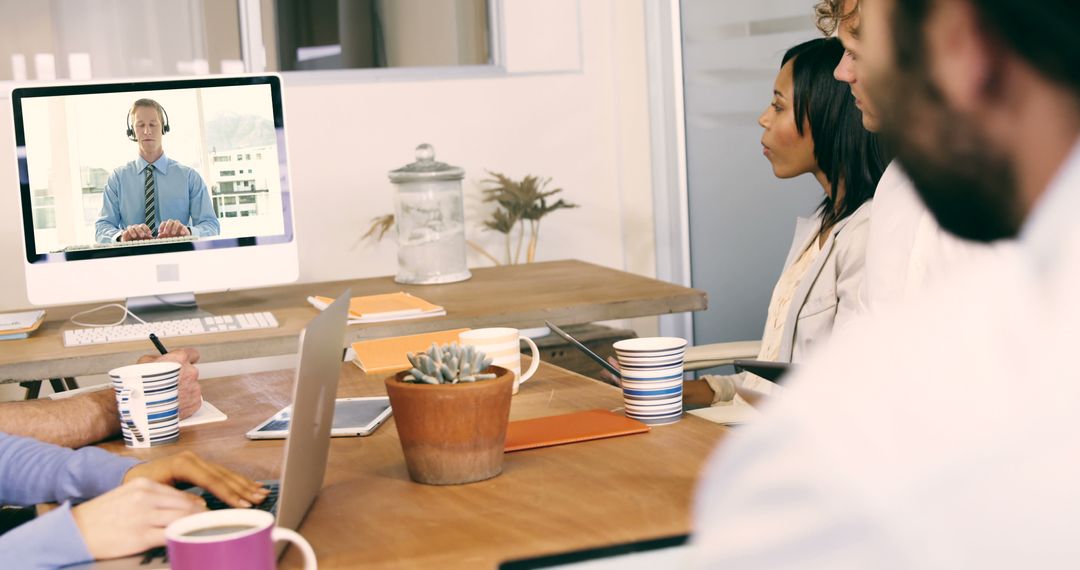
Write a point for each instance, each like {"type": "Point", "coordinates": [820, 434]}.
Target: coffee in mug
{"type": "Point", "coordinates": [230, 539]}
{"type": "Point", "coordinates": [218, 530]}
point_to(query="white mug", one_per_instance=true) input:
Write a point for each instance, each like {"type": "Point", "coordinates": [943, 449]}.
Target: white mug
{"type": "Point", "coordinates": [147, 399]}
{"type": "Point", "coordinates": [502, 346]}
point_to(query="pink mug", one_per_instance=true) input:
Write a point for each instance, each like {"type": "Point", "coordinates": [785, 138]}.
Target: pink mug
{"type": "Point", "coordinates": [229, 539]}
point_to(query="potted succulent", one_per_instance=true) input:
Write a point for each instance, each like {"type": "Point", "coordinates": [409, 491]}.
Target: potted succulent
{"type": "Point", "coordinates": [451, 410]}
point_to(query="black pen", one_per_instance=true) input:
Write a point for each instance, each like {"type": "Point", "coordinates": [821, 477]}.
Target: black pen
{"type": "Point", "coordinates": [157, 344]}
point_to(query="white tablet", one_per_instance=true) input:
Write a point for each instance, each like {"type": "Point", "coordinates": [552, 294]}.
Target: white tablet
{"type": "Point", "coordinates": [352, 416]}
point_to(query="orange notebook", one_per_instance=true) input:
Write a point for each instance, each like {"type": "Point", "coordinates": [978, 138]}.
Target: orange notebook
{"type": "Point", "coordinates": [382, 355]}
{"type": "Point", "coordinates": [384, 307]}
{"type": "Point", "coordinates": [569, 428]}
{"type": "Point", "coordinates": [20, 325]}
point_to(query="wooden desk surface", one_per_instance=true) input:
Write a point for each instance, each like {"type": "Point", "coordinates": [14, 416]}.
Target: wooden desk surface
{"type": "Point", "coordinates": [521, 296]}
{"type": "Point", "coordinates": [369, 514]}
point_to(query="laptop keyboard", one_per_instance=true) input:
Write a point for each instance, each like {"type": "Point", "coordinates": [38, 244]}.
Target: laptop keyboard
{"type": "Point", "coordinates": [160, 555]}
{"type": "Point", "coordinates": [269, 504]}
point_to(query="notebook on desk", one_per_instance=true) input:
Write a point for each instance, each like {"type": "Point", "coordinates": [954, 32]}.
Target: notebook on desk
{"type": "Point", "coordinates": [308, 443]}
{"type": "Point", "coordinates": [569, 428]}
{"type": "Point", "coordinates": [385, 355]}
{"type": "Point", "coordinates": [649, 554]}
{"type": "Point", "coordinates": [385, 307]}
{"type": "Point", "coordinates": [20, 325]}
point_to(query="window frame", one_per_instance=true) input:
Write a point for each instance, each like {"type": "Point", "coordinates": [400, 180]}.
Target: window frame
{"type": "Point", "coordinates": [253, 54]}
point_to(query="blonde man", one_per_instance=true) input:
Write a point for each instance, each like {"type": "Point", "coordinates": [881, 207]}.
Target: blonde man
{"type": "Point", "coordinates": [906, 248]}
{"type": "Point", "coordinates": [154, 196]}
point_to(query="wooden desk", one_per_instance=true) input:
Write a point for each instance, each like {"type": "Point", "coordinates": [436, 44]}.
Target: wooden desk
{"type": "Point", "coordinates": [370, 515]}
{"type": "Point", "coordinates": [521, 296]}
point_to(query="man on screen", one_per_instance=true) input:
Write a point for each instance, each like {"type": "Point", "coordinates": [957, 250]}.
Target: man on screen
{"type": "Point", "coordinates": [154, 196]}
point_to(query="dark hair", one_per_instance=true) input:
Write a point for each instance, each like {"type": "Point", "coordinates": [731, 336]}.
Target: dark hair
{"type": "Point", "coordinates": [1042, 32]}
{"type": "Point", "coordinates": [844, 149]}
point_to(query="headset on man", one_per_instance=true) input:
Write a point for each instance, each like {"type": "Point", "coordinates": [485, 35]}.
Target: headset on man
{"type": "Point", "coordinates": [146, 103]}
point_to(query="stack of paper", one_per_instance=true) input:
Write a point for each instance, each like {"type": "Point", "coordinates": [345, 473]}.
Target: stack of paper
{"type": "Point", "coordinates": [387, 307]}
{"type": "Point", "coordinates": [20, 325]}
{"type": "Point", "coordinates": [739, 411]}
{"type": "Point", "coordinates": [207, 412]}
{"type": "Point", "coordinates": [385, 355]}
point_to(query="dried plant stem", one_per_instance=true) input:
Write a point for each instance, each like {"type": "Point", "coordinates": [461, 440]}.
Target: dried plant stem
{"type": "Point", "coordinates": [534, 237]}
{"type": "Point", "coordinates": [476, 247]}
{"type": "Point", "coordinates": [520, 241]}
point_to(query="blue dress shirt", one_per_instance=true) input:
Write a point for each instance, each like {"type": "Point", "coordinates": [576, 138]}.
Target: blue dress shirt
{"type": "Point", "coordinates": [33, 472]}
{"type": "Point", "coordinates": [181, 196]}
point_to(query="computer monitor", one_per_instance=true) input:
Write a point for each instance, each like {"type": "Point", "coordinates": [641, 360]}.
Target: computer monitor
{"type": "Point", "coordinates": [81, 151]}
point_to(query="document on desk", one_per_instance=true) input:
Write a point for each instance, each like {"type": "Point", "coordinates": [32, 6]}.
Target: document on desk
{"type": "Point", "coordinates": [386, 307]}
{"type": "Point", "coordinates": [385, 355]}
{"type": "Point", "coordinates": [20, 325]}
{"type": "Point", "coordinates": [208, 413]}
{"type": "Point", "coordinates": [739, 411]}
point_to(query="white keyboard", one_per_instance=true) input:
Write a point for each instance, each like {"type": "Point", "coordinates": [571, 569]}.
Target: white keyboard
{"type": "Point", "coordinates": [169, 329]}
{"type": "Point", "coordinates": [133, 243]}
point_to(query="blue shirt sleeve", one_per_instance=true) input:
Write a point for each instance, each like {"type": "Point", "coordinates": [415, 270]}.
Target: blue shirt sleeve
{"type": "Point", "coordinates": [49, 541]}
{"type": "Point", "coordinates": [33, 472]}
{"type": "Point", "coordinates": [108, 222]}
{"type": "Point", "coordinates": [204, 222]}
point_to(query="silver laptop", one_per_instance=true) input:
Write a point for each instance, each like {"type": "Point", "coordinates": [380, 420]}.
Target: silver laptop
{"type": "Point", "coordinates": [308, 443]}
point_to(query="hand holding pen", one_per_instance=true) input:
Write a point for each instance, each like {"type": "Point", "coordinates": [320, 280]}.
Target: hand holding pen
{"type": "Point", "coordinates": [190, 392]}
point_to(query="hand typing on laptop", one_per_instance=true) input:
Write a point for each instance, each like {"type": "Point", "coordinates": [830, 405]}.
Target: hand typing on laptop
{"type": "Point", "coordinates": [186, 467]}
{"type": "Point", "coordinates": [133, 517]}
{"type": "Point", "coordinates": [128, 504]}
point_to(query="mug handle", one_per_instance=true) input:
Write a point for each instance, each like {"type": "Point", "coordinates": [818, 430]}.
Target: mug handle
{"type": "Point", "coordinates": [123, 406]}
{"type": "Point", "coordinates": [300, 543]}
{"type": "Point", "coordinates": [534, 357]}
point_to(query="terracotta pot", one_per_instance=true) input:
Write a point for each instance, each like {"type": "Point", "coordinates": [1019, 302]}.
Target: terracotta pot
{"type": "Point", "coordinates": [452, 433]}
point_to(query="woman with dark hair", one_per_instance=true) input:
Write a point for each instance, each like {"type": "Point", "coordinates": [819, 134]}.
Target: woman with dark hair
{"type": "Point", "coordinates": [842, 155]}
{"type": "Point", "coordinates": [812, 126]}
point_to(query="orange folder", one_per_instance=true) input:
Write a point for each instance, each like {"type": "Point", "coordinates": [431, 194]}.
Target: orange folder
{"type": "Point", "coordinates": [383, 355]}
{"type": "Point", "coordinates": [569, 428]}
{"type": "Point", "coordinates": [388, 306]}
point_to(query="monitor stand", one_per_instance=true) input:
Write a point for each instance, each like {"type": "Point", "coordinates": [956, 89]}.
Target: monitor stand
{"type": "Point", "coordinates": [170, 307]}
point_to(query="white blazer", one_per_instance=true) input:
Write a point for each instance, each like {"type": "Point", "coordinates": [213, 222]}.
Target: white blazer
{"type": "Point", "coordinates": [906, 249]}
{"type": "Point", "coordinates": [830, 294]}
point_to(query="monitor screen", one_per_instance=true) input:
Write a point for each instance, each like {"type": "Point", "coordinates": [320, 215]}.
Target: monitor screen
{"type": "Point", "coordinates": [161, 171]}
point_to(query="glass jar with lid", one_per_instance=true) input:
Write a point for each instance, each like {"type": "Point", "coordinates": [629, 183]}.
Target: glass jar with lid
{"type": "Point", "coordinates": [429, 213]}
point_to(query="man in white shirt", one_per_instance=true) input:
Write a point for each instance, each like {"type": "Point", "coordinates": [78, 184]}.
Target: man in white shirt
{"type": "Point", "coordinates": [905, 248]}
{"type": "Point", "coordinates": [940, 433]}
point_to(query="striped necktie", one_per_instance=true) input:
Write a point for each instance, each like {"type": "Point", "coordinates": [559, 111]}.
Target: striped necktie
{"type": "Point", "coordinates": [151, 203]}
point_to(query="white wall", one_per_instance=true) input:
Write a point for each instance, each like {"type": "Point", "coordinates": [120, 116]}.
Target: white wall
{"type": "Point", "coordinates": [741, 217]}
{"type": "Point", "coordinates": [586, 127]}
